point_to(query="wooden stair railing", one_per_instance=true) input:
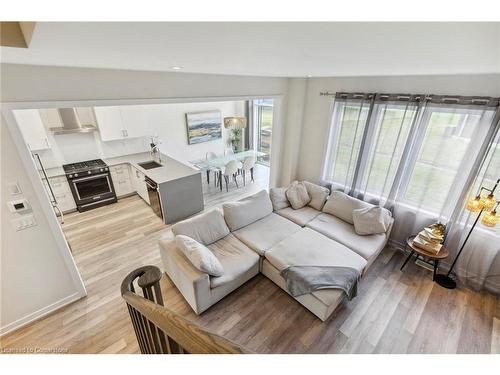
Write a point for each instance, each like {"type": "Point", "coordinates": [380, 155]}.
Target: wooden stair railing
{"type": "Point", "coordinates": [160, 330]}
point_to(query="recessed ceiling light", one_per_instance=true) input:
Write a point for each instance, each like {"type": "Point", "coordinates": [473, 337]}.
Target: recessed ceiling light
{"type": "Point", "coordinates": [309, 76]}
{"type": "Point", "coordinates": [176, 67]}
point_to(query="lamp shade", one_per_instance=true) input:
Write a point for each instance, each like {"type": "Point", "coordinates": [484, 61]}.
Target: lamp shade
{"type": "Point", "coordinates": [490, 219]}
{"type": "Point", "coordinates": [488, 202]}
{"type": "Point", "coordinates": [475, 204]}
{"type": "Point", "coordinates": [235, 122]}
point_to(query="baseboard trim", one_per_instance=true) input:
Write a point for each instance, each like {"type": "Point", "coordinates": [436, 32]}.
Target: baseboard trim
{"type": "Point", "coordinates": [40, 313]}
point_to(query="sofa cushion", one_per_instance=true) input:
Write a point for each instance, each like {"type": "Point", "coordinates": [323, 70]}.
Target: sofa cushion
{"type": "Point", "coordinates": [297, 195]}
{"type": "Point", "coordinates": [236, 259]}
{"type": "Point", "coordinates": [205, 228]}
{"type": "Point", "coordinates": [199, 255]}
{"type": "Point", "coordinates": [318, 195]}
{"type": "Point", "coordinates": [301, 216]}
{"type": "Point", "coordinates": [341, 205]}
{"type": "Point", "coordinates": [247, 210]}
{"type": "Point", "coordinates": [371, 220]}
{"type": "Point", "coordinates": [278, 198]}
{"type": "Point", "coordinates": [336, 229]}
{"type": "Point", "coordinates": [310, 248]}
{"type": "Point", "coordinates": [265, 233]}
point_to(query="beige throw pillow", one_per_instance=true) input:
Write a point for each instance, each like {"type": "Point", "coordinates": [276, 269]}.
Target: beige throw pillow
{"type": "Point", "coordinates": [297, 195]}
{"type": "Point", "coordinates": [341, 205]}
{"type": "Point", "coordinates": [371, 220]}
{"type": "Point", "coordinates": [278, 198]}
{"type": "Point", "coordinates": [318, 195]}
{"type": "Point", "coordinates": [199, 255]}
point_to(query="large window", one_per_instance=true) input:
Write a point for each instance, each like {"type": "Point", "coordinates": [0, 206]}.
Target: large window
{"type": "Point", "coordinates": [263, 128]}
{"type": "Point", "coordinates": [403, 150]}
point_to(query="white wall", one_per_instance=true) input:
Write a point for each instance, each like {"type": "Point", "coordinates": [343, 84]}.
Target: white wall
{"type": "Point", "coordinates": [34, 275]}
{"type": "Point", "coordinates": [25, 83]}
{"type": "Point", "coordinates": [165, 120]}
{"type": "Point", "coordinates": [317, 111]}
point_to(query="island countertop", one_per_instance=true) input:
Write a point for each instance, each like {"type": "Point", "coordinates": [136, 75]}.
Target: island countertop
{"type": "Point", "coordinates": [170, 170]}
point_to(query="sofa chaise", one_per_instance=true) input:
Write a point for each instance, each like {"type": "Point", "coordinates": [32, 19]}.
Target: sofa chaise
{"type": "Point", "coordinates": [261, 233]}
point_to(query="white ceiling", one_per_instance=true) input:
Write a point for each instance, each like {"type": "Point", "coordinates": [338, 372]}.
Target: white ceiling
{"type": "Point", "coordinates": [268, 49]}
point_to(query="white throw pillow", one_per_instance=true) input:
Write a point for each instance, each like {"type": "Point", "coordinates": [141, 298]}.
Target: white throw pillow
{"type": "Point", "coordinates": [247, 210]}
{"type": "Point", "coordinates": [341, 205]}
{"type": "Point", "coordinates": [205, 228]}
{"type": "Point", "coordinates": [278, 198]}
{"type": "Point", "coordinates": [199, 255]}
{"type": "Point", "coordinates": [297, 195]}
{"type": "Point", "coordinates": [317, 193]}
{"type": "Point", "coordinates": [371, 220]}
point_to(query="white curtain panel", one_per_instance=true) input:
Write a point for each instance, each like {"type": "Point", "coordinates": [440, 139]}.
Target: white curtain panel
{"type": "Point", "coordinates": [420, 156]}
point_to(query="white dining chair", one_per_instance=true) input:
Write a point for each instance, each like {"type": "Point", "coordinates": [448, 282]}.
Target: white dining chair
{"type": "Point", "coordinates": [248, 165]}
{"type": "Point", "coordinates": [230, 171]}
{"type": "Point", "coordinates": [212, 155]}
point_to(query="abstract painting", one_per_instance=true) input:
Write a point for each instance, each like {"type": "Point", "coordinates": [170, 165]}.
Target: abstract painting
{"type": "Point", "coordinates": [203, 126]}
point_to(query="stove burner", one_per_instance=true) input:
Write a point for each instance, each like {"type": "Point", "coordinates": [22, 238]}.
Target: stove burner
{"type": "Point", "coordinates": [84, 166]}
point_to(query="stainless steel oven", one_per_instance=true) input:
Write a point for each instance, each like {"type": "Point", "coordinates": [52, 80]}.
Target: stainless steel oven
{"type": "Point", "coordinates": [91, 184]}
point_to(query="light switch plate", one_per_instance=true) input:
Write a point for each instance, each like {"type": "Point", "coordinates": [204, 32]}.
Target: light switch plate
{"type": "Point", "coordinates": [14, 188]}
{"type": "Point", "coordinates": [24, 222]}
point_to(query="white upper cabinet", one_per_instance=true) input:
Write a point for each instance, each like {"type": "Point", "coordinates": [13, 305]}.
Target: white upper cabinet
{"type": "Point", "coordinates": [109, 122]}
{"type": "Point", "coordinates": [121, 122]}
{"type": "Point", "coordinates": [32, 128]}
{"type": "Point", "coordinates": [133, 117]}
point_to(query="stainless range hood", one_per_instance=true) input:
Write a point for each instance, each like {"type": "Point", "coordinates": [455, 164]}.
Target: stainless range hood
{"type": "Point", "coordinates": [71, 123]}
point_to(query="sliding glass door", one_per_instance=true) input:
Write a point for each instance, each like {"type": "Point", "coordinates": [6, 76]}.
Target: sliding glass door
{"type": "Point", "coordinates": [263, 128]}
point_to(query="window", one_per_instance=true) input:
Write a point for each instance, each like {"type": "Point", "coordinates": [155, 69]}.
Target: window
{"type": "Point", "coordinates": [263, 128]}
{"type": "Point", "coordinates": [400, 150]}
{"type": "Point", "coordinates": [441, 153]}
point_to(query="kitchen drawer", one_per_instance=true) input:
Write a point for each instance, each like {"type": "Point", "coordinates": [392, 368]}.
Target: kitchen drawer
{"type": "Point", "coordinates": [59, 185]}
{"type": "Point", "coordinates": [119, 169]}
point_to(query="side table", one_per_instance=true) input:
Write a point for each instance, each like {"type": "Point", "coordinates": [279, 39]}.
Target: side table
{"type": "Point", "coordinates": [443, 254]}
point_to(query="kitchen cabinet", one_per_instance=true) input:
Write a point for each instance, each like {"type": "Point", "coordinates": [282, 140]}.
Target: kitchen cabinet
{"type": "Point", "coordinates": [139, 184]}
{"type": "Point", "coordinates": [62, 193]}
{"type": "Point", "coordinates": [121, 122]}
{"type": "Point", "coordinates": [120, 174]}
{"type": "Point", "coordinates": [32, 128]}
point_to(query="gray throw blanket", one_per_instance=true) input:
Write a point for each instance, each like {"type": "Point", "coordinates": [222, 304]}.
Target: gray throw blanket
{"type": "Point", "coordinates": [307, 279]}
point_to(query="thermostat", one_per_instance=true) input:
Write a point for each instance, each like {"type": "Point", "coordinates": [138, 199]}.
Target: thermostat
{"type": "Point", "coordinates": [20, 205]}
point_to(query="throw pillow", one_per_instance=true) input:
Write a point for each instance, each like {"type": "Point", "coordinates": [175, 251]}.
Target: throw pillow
{"type": "Point", "coordinates": [278, 197]}
{"type": "Point", "coordinates": [247, 210]}
{"type": "Point", "coordinates": [199, 255]}
{"type": "Point", "coordinates": [341, 205]}
{"type": "Point", "coordinates": [317, 193]}
{"type": "Point", "coordinates": [297, 195]}
{"type": "Point", "coordinates": [371, 220]}
{"type": "Point", "coordinates": [205, 228]}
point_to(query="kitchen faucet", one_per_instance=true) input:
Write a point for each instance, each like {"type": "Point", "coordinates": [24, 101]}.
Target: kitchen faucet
{"type": "Point", "coordinates": [155, 149]}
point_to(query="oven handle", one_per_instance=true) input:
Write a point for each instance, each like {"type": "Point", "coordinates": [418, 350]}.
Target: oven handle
{"type": "Point", "coordinates": [151, 186]}
{"type": "Point", "coordinates": [89, 177]}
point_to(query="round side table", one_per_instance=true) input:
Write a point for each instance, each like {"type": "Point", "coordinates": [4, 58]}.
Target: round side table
{"type": "Point", "coordinates": [443, 254]}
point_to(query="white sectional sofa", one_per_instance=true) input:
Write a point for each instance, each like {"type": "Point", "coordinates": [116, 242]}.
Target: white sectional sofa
{"type": "Point", "coordinates": [253, 235]}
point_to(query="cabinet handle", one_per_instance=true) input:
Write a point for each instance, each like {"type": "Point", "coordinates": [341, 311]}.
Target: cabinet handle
{"type": "Point", "coordinates": [126, 133]}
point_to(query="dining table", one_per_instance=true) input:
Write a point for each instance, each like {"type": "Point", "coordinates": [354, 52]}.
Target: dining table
{"type": "Point", "coordinates": [219, 162]}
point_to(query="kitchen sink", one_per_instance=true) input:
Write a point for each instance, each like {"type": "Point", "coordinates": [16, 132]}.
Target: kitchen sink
{"type": "Point", "coordinates": [150, 164]}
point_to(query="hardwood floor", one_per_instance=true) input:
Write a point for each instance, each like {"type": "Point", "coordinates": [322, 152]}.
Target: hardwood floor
{"type": "Point", "coordinates": [395, 312]}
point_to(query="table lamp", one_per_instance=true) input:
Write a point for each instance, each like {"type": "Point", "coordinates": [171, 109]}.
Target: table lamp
{"type": "Point", "coordinates": [481, 204]}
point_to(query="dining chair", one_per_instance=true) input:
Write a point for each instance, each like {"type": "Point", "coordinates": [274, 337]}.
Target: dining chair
{"type": "Point", "coordinates": [231, 170]}
{"type": "Point", "coordinates": [248, 165]}
{"type": "Point", "coordinates": [212, 155]}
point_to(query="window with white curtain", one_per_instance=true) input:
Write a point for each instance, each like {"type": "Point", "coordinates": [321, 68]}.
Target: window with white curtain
{"type": "Point", "coordinates": [409, 149]}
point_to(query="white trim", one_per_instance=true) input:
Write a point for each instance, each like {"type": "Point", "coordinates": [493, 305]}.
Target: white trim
{"type": "Point", "coordinates": [39, 314]}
